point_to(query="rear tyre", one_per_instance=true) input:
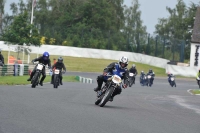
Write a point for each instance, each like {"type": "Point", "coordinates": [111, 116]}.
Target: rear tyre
{"type": "Point", "coordinates": [130, 82]}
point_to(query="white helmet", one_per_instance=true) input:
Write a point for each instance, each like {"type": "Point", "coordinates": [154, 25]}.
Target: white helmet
{"type": "Point", "coordinates": [133, 66]}
{"type": "Point", "coordinates": [123, 60]}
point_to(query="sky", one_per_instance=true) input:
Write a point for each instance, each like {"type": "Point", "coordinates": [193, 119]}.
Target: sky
{"type": "Point", "coordinates": [151, 10]}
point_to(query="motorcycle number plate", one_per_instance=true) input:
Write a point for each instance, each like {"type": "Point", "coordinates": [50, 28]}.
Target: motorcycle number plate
{"type": "Point", "coordinates": [149, 76]}
{"type": "Point", "coordinates": [131, 74]}
{"type": "Point", "coordinates": [39, 67]}
{"type": "Point", "coordinates": [56, 71]}
{"type": "Point", "coordinates": [172, 79]}
{"type": "Point", "coordinates": [117, 79]}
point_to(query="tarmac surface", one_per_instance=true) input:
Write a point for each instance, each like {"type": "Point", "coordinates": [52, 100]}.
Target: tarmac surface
{"type": "Point", "coordinates": [71, 108]}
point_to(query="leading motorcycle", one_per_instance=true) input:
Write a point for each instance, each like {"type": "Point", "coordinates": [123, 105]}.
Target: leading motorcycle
{"type": "Point", "coordinates": [107, 90]}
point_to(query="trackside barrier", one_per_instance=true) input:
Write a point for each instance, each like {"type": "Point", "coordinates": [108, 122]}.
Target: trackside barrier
{"type": "Point", "coordinates": [84, 80]}
{"type": "Point", "coordinates": [18, 70]}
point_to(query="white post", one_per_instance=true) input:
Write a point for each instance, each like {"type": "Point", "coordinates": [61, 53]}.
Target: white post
{"type": "Point", "coordinates": [8, 54]}
{"type": "Point", "coordinates": [38, 52]}
{"type": "Point", "coordinates": [23, 57]}
{"type": "Point", "coordinates": [32, 15]}
{"type": "Point", "coordinates": [28, 58]}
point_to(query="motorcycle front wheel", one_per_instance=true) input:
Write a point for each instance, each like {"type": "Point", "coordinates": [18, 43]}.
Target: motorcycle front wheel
{"type": "Point", "coordinates": [106, 97]}
{"type": "Point", "coordinates": [34, 80]}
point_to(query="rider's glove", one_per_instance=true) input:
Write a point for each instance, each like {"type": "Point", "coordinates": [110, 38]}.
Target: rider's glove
{"type": "Point", "coordinates": [104, 73]}
{"type": "Point", "coordinates": [64, 71]}
{"type": "Point", "coordinates": [124, 86]}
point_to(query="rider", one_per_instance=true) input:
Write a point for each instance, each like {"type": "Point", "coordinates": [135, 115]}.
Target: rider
{"type": "Point", "coordinates": [44, 59]}
{"type": "Point", "coordinates": [152, 75]}
{"type": "Point", "coordinates": [169, 76]}
{"type": "Point", "coordinates": [134, 71]}
{"type": "Point", "coordinates": [59, 65]}
{"type": "Point", "coordinates": [1, 59]}
{"type": "Point", "coordinates": [198, 75]}
{"type": "Point", "coordinates": [115, 67]}
{"type": "Point", "coordinates": [141, 77]}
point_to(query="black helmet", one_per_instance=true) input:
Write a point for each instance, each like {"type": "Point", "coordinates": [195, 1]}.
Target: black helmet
{"type": "Point", "coordinates": [150, 71]}
{"type": "Point", "coordinates": [60, 59]}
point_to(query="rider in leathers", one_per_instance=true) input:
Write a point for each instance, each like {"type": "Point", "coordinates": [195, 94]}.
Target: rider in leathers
{"type": "Point", "coordinates": [115, 67]}
{"type": "Point", "coordinates": [44, 59]}
{"type": "Point", "coordinates": [152, 75]}
{"type": "Point", "coordinates": [1, 59]}
{"type": "Point", "coordinates": [59, 65]}
{"type": "Point", "coordinates": [134, 71]}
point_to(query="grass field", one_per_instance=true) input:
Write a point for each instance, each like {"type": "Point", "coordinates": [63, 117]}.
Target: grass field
{"type": "Point", "coordinates": [21, 80]}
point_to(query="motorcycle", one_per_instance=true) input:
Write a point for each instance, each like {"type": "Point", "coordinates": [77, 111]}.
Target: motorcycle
{"type": "Point", "coordinates": [149, 80]}
{"type": "Point", "coordinates": [131, 79]}
{"type": "Point", "coordinates": [36, 76]}
{"type": "Point", "coordinates": [107, 90]}
{"type": "Point", "coordinates": [198, 79]}
{"type": "Point", "coordinates": [172, 81]}
{"type": "Point", "coordinates": [56, 78]}
{"type": "Point", "coordinates": [143, 80]}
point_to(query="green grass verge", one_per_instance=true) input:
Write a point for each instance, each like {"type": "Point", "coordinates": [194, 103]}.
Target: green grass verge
{"type": "Point", "coordinates": [21, 80]}
{"type": "Point", "coordinates": [195, 91]}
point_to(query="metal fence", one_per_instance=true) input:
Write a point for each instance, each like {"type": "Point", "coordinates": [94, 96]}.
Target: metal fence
{"type": "Point", "coordinates": [159, 46]}
{"type": "Point", "coordinates": [18, 70]}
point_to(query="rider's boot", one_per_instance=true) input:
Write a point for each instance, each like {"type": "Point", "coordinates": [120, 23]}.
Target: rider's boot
{"type": "Point", "coordinates": [41, 81]}
{"type": "Point", "coordinates": [52, 79]}
{"type": "Point", "coordinates": [61, 81]}
{"type": "Point", "coordinates": [99, 82]}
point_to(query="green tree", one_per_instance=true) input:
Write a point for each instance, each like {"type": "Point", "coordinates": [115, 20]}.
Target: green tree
{"type": "Point", "coordinates": [19, 31]}
{"type": "Point", "coordinates": [175, 27]}
{"type": "Point", "coordinates": [134, 30]}
{"type": "Point", "coordinates": [2, 3]}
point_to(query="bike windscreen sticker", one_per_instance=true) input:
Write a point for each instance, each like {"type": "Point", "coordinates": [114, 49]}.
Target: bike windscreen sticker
{"type": "Point", "coordinates": [39, 67]}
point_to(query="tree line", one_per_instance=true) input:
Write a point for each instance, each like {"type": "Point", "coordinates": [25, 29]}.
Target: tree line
{"type": "Point", "coordinates": [102, 24]}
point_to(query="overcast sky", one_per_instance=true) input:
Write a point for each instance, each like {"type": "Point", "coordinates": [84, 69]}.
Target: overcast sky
{"type": "Point", "coordinates": [151, 10]}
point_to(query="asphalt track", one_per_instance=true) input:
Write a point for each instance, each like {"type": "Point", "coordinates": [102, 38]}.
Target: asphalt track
{"type": "Point", "coordinates": [71, 109]}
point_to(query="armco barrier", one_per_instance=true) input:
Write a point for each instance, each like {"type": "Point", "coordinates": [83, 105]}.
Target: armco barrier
{"type": "Point", "coordinates": [84, 80]}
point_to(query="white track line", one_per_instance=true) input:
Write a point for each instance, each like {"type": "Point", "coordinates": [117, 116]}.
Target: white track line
{"type": "Point", "coordinates": [183, 103]}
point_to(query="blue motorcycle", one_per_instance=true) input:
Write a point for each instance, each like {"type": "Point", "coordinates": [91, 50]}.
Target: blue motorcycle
{"type": "Point", "coordinates": [143, 80]}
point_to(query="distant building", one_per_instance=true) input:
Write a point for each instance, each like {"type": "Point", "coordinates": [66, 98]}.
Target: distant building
{"type": "Point", "coordinates": [195, 42]}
